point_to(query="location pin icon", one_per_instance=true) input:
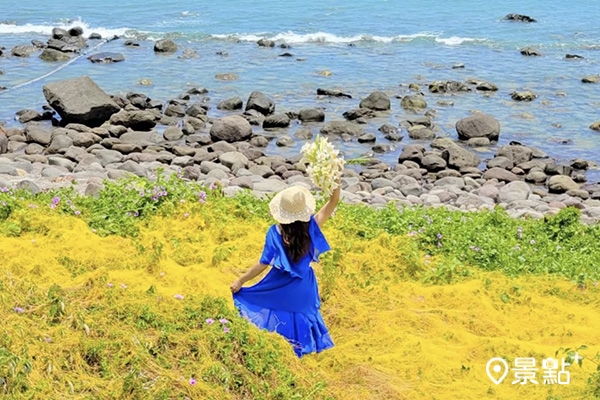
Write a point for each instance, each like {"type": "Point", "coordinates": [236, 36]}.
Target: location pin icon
{"type": "Point", "coordinates": [497, 367]}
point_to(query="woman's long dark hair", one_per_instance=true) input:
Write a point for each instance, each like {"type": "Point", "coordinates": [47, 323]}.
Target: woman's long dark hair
{"type": "Point", "coordinates": [296, 239]}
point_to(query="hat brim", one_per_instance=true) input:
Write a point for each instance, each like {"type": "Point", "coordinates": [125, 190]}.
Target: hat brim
{"type": "Point", "coordinates": [284, 217]}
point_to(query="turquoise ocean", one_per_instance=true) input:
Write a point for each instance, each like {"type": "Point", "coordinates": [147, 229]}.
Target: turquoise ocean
{"type": "Point", "coordinates": [365, 45]}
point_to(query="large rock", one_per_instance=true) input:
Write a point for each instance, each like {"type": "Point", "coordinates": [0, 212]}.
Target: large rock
{"type": "Point", "coordinates": [80, 100]}
{"type": "Point", "coordinates": [478, 125]}
{"type": "Point", "coordinates": [516, 153]}
{"type": "Point", "coordinates": [341, 127]}
{"type": "Point", "coordinates": [458, 158]}
{"type": "Point", "coordinates": [52, 55]}
{"type": "Point", "coordinates": [3, 141]}
{"type": "Point", "coordinates": [276, 121]}
{"type": "Point", "coordinates": [561, 184]}
{"type": "Point", "coordinates": [261, 103]}
{"type": "Point", "coordinates": [377, 101]}
{"type": "Point", "coordinates": [413, 102]}
{"type": "Point", "coordinates": [519, 18]}
{"type": "Point", "coordinates": [137, 120]}
{"type": "Point", "coordinates": [311, 115]}
{"type": "Point", "coordinates": [165, 46]}
{"type": "Point", "coordinates": [232, 128]}
{"type": "Point", "coordinates": [448, 87]}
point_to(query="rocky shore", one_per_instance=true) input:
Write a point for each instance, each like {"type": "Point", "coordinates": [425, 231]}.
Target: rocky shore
{"type": "Point", "coordinates": [84, 135]}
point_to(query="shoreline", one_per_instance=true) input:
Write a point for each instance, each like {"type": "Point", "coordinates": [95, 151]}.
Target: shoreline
{"type": "Point", "coordinates": [87, 135]}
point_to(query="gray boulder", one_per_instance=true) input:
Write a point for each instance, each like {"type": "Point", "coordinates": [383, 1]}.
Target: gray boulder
{"type": "Point", "coordinates": [342, 127]}
{"type": "Point", "coordinates": [413, 102]}
{"type": "Point", "coordinates": [377, 101]}
{"type": "Point", "coordinates": [276, 121]}
{"type": "Point", "coordinates": [52, 55]}
{"type": "Point", "coordinates": [561, 184]}
{"type": "Point", "coordinates": [137, 120]}
{"type": "Point", "coordinates": [458, 158]}
{"type": "Point", "coordinates": [165, 46]}
{"type": "Point", "coordinates": [234, 103]}
{"type": "Point", "coordinates": [232, 128]}
{"type": "Point", "coordinates": [80, 100]}
{"type": "Point", "coordinates": [261, 103]}
{"type": "Point", "coordinates": [518, 154]}
{"type": "Point", "coordinates": [478, 125]}
{"type": "Point", "coordinates": [311, 115]}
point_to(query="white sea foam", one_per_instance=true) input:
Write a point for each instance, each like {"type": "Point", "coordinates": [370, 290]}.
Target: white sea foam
{"type": "Point", "coordinates": [456, 41]}
{"type": "Point", "coordinates": [323, 37]}
{"type": "Point", "coordinates": [12, 29]}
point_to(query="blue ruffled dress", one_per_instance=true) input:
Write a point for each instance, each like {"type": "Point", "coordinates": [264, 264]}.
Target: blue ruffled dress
{"type": "Point", "coordinates": [287, 300]}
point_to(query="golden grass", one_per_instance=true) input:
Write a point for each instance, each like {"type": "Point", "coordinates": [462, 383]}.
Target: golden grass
{"type": "Point", "coordinates": [395, 339]}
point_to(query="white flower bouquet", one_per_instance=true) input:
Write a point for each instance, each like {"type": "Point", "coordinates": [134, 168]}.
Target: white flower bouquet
{"type": "Point", "coordinates": [325, 165]}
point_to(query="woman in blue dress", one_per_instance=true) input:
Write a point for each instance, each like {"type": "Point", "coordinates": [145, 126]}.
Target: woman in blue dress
{"type": "Point", "coordinates": [287, 300]}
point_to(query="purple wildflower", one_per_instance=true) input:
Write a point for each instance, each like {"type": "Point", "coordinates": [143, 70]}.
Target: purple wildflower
{"type": "Point", "coordinates": [141, 193]}
{"type": "Point", "coordinates": [474, 248]}
{"type": "Point", "coordinates": [532, 241]}
{"type": "Point", "coordinates": [226, 329]}
{"type": "Point", "coordinates": [413, 233]}
{"type": "Point", "coordinates": [77, 212]}
{"type": "Point", "coordinates": [186, 215]}
{"type": "Point", "coordinates": [154, 198]}
{"type": "Point", "coordinates": [4, 189]}
{"type": "Point", "coordinates": [520, 232]}
{"type": "Point", "coordinates": [109, 285]}
{"type": "Point", "coordinates": [439, 244]}
{"type": "Point", "coordinates": [213, 186]}
{"type": "Point", "coordinates": [123, 286]}
{"type": "Point", "coordinates": [439, 236]}
{"type": "Point", "coordinates": [182, 201]}
{"type": "Point", "coordinates": [192, 381]}
{"type": "Point", "coordinates": [47, 339]}
{"type": "Point", "coordinates": [223, 321]}
{"type": "Point", "coordinates": [18, 310]}
{"type": "Point", "coordinates": [136, 214]}
{"type": "Point", "coordinates": [202, 196]}
{"type": "Point", "coordinates": [210, 321]}
{"type": "Point", "coordinates": [178, 296]}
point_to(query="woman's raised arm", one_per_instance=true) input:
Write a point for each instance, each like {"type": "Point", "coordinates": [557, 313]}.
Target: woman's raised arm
{"type": "Point", "coordinates": [325, 212]}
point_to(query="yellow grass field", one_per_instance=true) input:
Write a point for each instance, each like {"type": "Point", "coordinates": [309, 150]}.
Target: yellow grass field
{"type": "Point", "coordinates": [395, 339]}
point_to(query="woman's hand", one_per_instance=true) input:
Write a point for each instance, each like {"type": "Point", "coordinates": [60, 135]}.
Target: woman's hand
{"type": "Point", "coordinates": [236, 286]}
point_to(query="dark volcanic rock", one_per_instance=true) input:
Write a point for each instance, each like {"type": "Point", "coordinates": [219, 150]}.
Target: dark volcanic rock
{"type": "Point", "coordinates": [136, 120]}
{"type": "Point", "coordinates": [530, 51]}
{"type": "Point", "coordinates": [332, 93]}
{"type": "Point", "coordinates": [448, 87]}
{"type": "Point", "coordinates": [518, 18]}
{"type": "Point", "coordinates": [276, 121]}
{"type": "Point", "coordinates": [52, 55]}
{"type": "Point", "coordinates": [377, 101]}
{"type": "Point", "coordinates": [234, 103]}
{"type": "Point", "coordinates": [311, 115]}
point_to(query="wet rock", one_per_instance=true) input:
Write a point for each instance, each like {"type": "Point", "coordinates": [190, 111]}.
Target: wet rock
{"type": "Point", "coordinates": [106, 57]}
{"type": "Point", "coordinates": [52, 55]}
{"type": "Point", "coordinates": [234, 103]}
{"type": "Point", "coordinates": [311, 115]}
{"type": "Point", "coordinates": [136, 120]}
{"type": "Point", "coordinates": [377, 101]}
{"type": "Point", "coordinates": [458, 158]}
{"type": "Point", "coordinates": [500, 162]}
{"type": "Point", "coordinates": [304, 134]}
{"type": "Point", "coordinates": [172, 133]}
{"type": "Point", "coordinates": [448, 87]}
{"type": "Point", "coordinates": [478, 125]}
{"type": "Point", "coordinates": [433, 163]}
{"type": "Point", "coordinates": [523, 96]}
{"type": "Point", "coordinates": [478, 142]}
{"type": "Point", "coordinates": [276, 121]}
{"type": "Point", "coordinates": [413, 102]}
{"type": "Point", "coordinates": [342, 127]}
{"type": "Point", "coordinates": [259, 102]}
{"type": "Point", "coordinates": [265, 43]}
{"type": "Point", "coordinates": [165, 46]}
{"type": "Point", "coordinates": [519, 18]}
{"type": "Point", "coordinates": [37, 134]}
{"type": "Point", "coordinates": [366, 138]}
{"type": "Point", "coordinates": [285, 141]}
{"type": "Point", "coordinates": [595, 126]}
{"type": "Point", "coordinates": [573, 56]}
{"type": "Point", "coordinates": [332, 93]}
{"type": "Point", "coordinates": [359, 113]}
{"type": "Point", "coordinates": [420, 132]}
{"type": "Point", "coordinates": [530, 51]}
{"type": "Point", "coordinates": [591, 79]}
{"type": "Point", "coordinates": [23, 51]}
{"type": "Point", "coordinates": [412, 152]}
{"type": "Point", "coordinates": [516, 153]}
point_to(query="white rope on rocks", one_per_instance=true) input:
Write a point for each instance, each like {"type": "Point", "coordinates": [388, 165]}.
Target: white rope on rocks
{"type": "Point", "coordinates": [59, 67]}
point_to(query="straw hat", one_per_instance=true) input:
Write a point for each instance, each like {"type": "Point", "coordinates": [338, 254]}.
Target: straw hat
{"type": "Point", "coordinates": [295, 203]}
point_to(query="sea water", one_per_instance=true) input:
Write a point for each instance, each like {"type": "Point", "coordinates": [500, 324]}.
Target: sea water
{"type": "Point", "coordinates": [362, 46]}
